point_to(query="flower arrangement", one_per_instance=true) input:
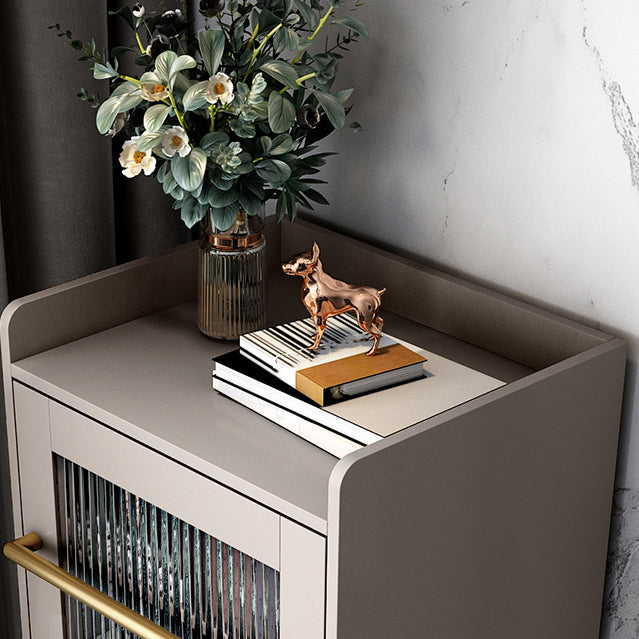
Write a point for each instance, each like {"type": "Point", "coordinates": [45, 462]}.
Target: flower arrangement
{"type": "Point", "coordinates": [227, 118]}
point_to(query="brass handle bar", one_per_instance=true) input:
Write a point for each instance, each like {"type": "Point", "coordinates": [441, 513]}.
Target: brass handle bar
{"type": "Point", "coordinates": [21, 551]}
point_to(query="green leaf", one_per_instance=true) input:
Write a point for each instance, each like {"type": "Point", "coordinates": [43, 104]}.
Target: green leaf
{"type": "Point", "coordinates": [102, 72]}
{"type": "Point", "coordinates": [291, 39]}
{"type": "Point", "coordinates": [189, 171]}
{"type": "Point", "coordinates": [316, 196]}
{"type": "Point", "coordinates": [250, 203]}
{"type": "Point", "coordinates": [343, 95]}
{"type": "Point", "coordinates": [211, 140]}
{"type": "Point", "coordinates": [282, 144]}
{"type": "Point", "coordinates": [220, 182]}
{"type": "Point", "coordinates": [161, 174]}
{"type": "Point", "coordinates": [125, 13]}
{"type": "Point", "coordinates": [267, 144]}
{"type": "Point", "coordinates": [163, 65]}
{"type": "Point", "coordinates": [220, 199]}
{"type": "Point", "coordinates": [280, 206]}
{"type": "Point", "coordinates": [281, 113]}
{"type": "Point", "coordinates": [181, 83]}
{"type": "Point", "coordinates": [149, 140]}
{"type": "Point", "coordinates": [126, 89]}
{"type": "Point", "coordinates": [242, 129]}
{"type": "Point", "coordinates": [309, 16]}
{"type": "Point", "coordinates": [354, 25]}
{"type": "Point", "coordinates": [332, 107]}
{"type": "Point", "coordinates": [169, 182]}
{"type": "Point", "coordinates": [281, 71]}
{"type": "Point", "coordinates": [223, 218]}
{"type": "Point", "coordinates": [107, 113]}
{"type": "Point", "coordinates": [151, 77]}
{"type": "Point", "coordinates": [275, 172]}
{"type": "Point", "coordinates": [194, 97]}
{"type": "Point", "coordinates": [155, 116]}
{"type": "Point", "coordinates": [179, 64]}
{"type": "Point", "coordinates": [212, 49]}
{"type": "Point", "coordinates": [191, 212]}
{"type": "Point", "coordinates": [247, 164]}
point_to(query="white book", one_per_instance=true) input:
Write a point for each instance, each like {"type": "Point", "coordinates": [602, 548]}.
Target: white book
{"type": "Point", "coordinates": [333, 443]}
{"type": "Point", "coordinates": [371, 417]}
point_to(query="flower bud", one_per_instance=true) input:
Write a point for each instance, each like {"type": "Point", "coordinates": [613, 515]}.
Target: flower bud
{"type": "Point", "coordinates": [138, 10]}
{"type": "Point", "coordinates": [211, 8]}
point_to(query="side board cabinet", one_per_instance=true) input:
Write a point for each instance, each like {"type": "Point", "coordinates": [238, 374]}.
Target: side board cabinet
{"type": "Point", "coordinates": [191, 516]}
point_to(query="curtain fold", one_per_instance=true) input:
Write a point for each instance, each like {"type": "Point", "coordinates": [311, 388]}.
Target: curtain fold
{"type": "Point", "coordinates": [66, 209]}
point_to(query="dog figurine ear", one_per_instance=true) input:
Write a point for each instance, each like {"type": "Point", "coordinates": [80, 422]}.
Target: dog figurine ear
{"type": "Point", "coordinates": [315, 257]}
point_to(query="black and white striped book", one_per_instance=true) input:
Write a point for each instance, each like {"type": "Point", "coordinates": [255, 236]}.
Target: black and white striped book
{"type": "Point", "coordinates": [339, 369]}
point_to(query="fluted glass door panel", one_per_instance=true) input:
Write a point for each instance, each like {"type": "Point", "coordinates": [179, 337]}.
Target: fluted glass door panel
{"type": "Point", "coordinates": [183, 579]}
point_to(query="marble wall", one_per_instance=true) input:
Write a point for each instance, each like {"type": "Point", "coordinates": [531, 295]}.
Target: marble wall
{"type": "Point", "coordinates": [500, 143]}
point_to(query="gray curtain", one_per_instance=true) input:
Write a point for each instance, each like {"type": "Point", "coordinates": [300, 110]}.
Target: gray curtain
{"type": "Point", "coordinates": [66, 209]}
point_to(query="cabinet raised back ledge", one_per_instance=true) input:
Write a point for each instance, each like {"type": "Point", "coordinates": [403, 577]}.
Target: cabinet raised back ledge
{"type": "Point", "coordinates": [490, 519]}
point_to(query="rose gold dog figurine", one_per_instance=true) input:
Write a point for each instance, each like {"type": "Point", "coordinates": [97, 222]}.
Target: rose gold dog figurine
{"type": "Point", "coordinates": [325, 296]}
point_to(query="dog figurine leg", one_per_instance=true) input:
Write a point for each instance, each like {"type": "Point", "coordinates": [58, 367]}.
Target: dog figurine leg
{"type": "Point", "coordinates": [320, 327]}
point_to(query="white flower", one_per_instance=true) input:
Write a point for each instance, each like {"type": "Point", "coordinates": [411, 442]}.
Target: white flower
{"type": "Point", "coordinates": [219, 88]}
{"type": "Point", "coordinates": [154, 92]}
{"type": "Point", "coordinates": [138, 10]}
{"type": "Point", "coordinates": [135, 161]}
{"type": "Point", "coordinates": [175, 140]}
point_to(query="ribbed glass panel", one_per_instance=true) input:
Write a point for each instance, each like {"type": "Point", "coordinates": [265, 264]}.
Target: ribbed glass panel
{"type": "Point", "coordinates": [192, 584]}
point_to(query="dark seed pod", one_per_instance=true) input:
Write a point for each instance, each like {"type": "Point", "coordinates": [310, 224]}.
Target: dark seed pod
{"type": "Point", "coordinates": [307, 117]}
{"type": "Point", "coordinates": [211, 8]}
{"type": "Point", "coordinates": [171, 23]}
{"type": "Point", "coordinates": [159, 43]}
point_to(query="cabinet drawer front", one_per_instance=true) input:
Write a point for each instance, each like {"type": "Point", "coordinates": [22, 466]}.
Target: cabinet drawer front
{"type": "Point", "coordinates": [184, 493]}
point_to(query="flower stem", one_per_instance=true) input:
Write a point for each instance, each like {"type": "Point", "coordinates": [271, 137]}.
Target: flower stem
{"type": "Point", "coordinates": [212, 113]}
{"type": "Point", "coordinates": [322, 22]}
{"type": "Point", "coordinates": [142, 49]}
{"type": "Point", "coordinates": [253, 36]}
{"type": "Point", "coordinates": [128, 78]}
{"type": "Point", "coordinates": [256, 52]}
{"type": "Point", "coordinates": [299, 81]}
{"type": "Point", "coordinates": [179, 116]}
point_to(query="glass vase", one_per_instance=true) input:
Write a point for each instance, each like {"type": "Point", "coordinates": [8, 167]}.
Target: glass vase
{"type": "Point", "coordinates": [231, 287]}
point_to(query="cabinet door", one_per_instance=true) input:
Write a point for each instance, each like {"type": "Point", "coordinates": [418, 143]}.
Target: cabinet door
{"type": "Point", "coordinates": [264, 573]}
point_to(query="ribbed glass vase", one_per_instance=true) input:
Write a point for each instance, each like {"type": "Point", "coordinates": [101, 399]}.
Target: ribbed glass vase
{"type": "Point", "coordinates": [231, 288]}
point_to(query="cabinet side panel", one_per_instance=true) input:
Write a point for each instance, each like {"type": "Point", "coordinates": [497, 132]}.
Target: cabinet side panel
{"type": "Point", "coordinates": [493, 522]}
{"type": "Point", "coordinates": [38, 505]}
{"type": "Point", "coordinates": [303, 582]}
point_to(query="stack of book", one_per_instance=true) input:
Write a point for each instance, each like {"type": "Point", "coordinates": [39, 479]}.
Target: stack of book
{"type": "Point", "coordinates": [337, 397]}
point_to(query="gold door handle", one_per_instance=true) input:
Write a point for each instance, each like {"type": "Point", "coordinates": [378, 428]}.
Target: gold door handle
{"type": "Point", "coordinates": [21, 551]}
